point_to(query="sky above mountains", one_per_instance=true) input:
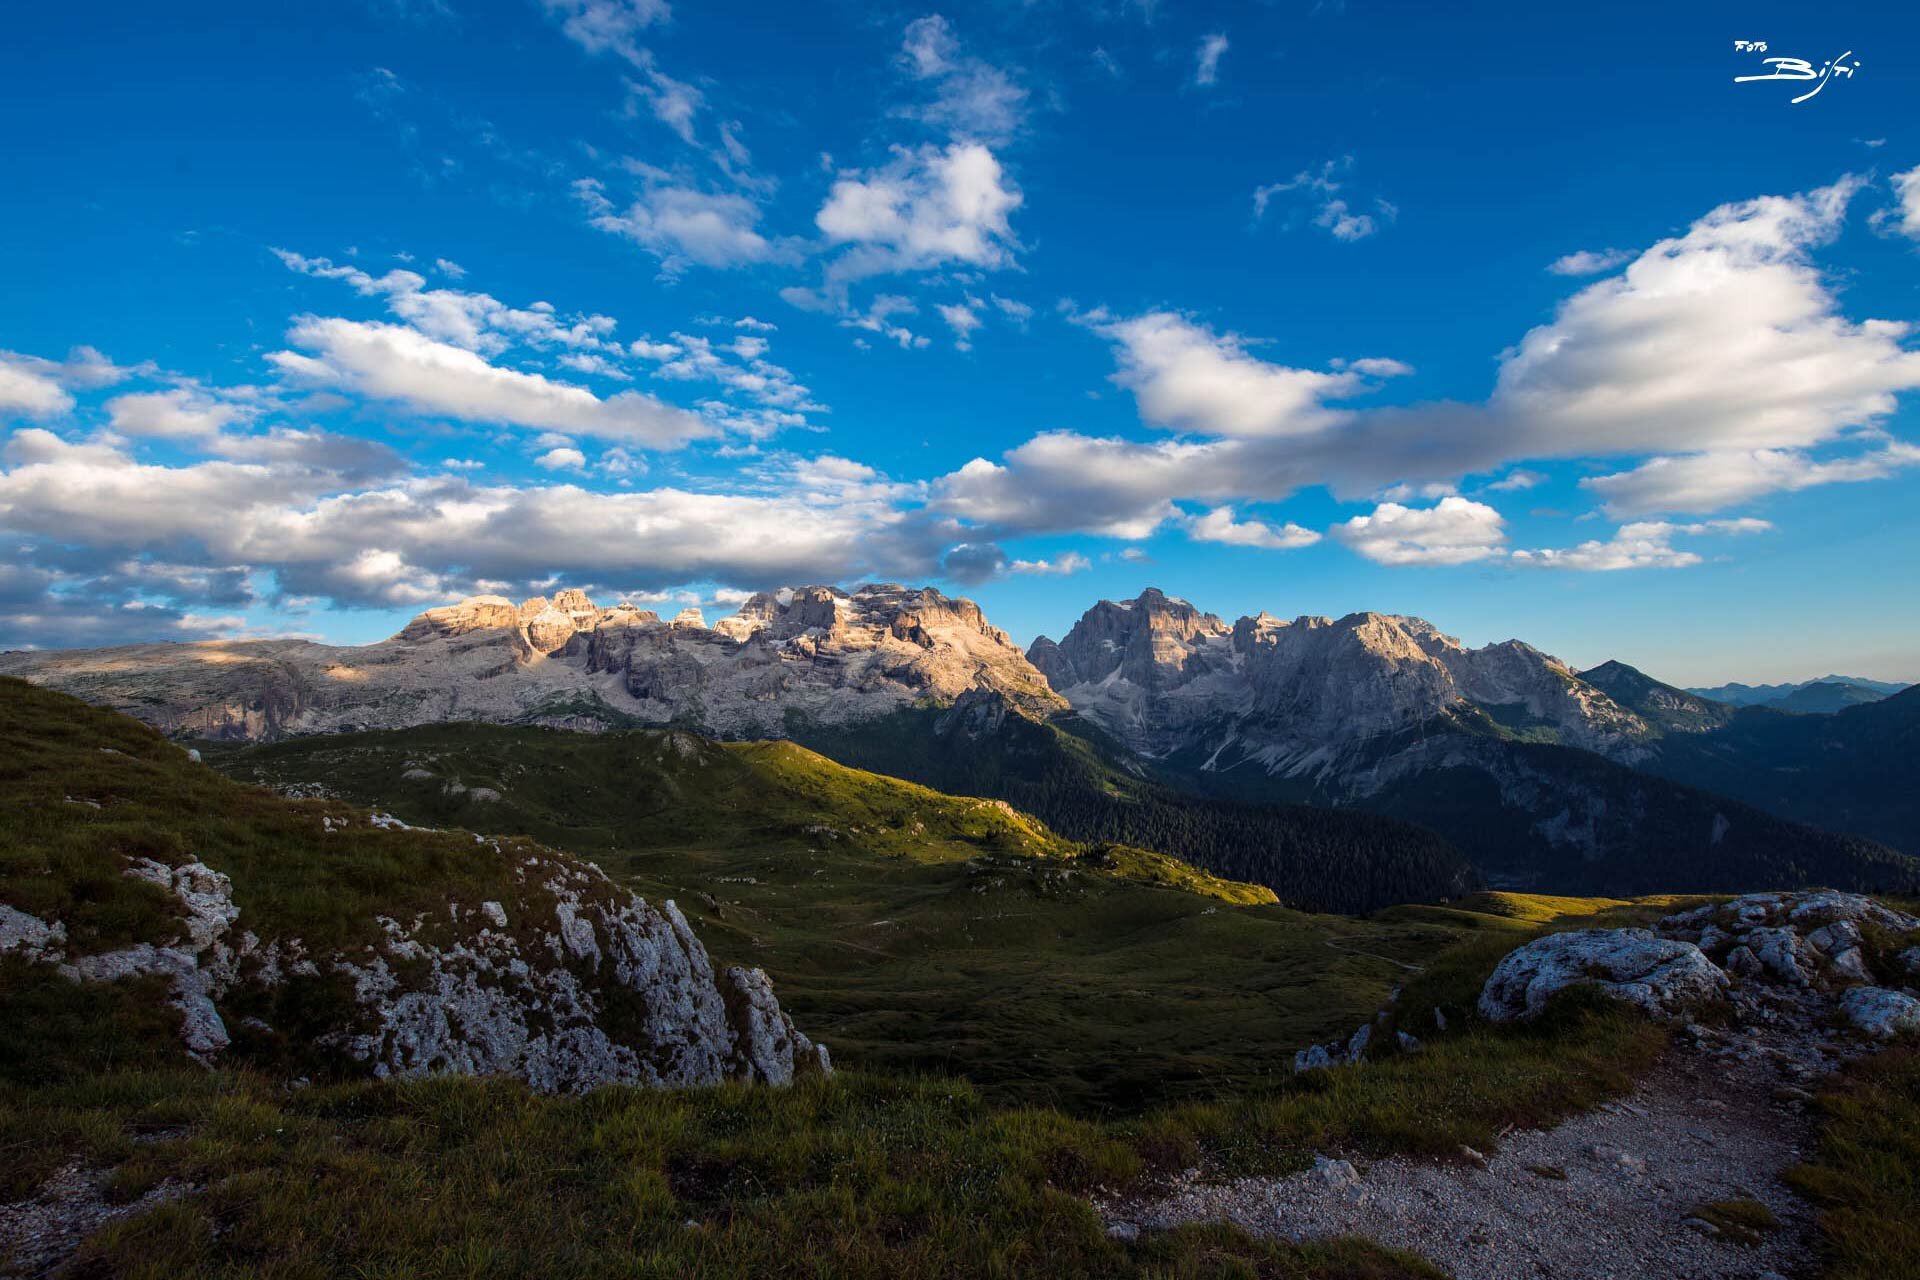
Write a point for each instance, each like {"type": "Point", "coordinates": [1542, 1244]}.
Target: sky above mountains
{"type": "Point", "coordinates": [1535, 324]}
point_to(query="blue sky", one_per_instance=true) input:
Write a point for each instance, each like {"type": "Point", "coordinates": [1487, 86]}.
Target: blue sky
{"type": "Point", "coordinates": [1535, 324]}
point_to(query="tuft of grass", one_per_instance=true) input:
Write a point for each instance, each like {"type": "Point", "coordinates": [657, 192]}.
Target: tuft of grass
{"type": "Point", "coordinates": [1865, 1172]}
{"type": "Point", "coordinates": [1742, 1221]}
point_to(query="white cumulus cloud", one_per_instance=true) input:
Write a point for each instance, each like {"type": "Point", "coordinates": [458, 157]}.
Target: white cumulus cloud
{"type": "Point", "coordinates": [1218, 525]}
{"type": "Point", "coordinates": [1452, 531]}
{"type": "Point", "coordinates": [396, 363]}
{"type": "Point", "coordinates": [682, 226]}
{"type": "Point", "coordinates": [1206, 58]}
{"type": "Point", "coordinates": [930, 207]}
{"type": "Point", "coordinates": [1589, 262]}
{"type": "Point", "coordinates": [1645, 544]}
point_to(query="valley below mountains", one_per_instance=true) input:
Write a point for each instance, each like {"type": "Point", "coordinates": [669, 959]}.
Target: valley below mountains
{"type": "Point", "coordinates": [1345, 763]}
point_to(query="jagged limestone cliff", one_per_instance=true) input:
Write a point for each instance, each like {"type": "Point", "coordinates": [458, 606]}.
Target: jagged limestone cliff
{"type": "Point", "coordinates": [827, 655]}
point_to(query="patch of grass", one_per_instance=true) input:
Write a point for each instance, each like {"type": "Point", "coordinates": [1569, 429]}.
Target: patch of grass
{"type": "Point", "coordinates": [850, 1177]}
{"type": "Point", "coordinates": [1741, 1221]}
{"type": "Point", "coordinates": [1865, 1173]}
{"type": "Point", "coordinates": [1463, 1088]}
{"type": "Point", "coordinates": [1533, 908]}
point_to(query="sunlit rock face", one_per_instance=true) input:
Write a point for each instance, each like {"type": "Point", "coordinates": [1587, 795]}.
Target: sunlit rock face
{"type": "Point", "coordinates": [1310, 697]}
{"type": "Point", "coordinates": [825, 655]}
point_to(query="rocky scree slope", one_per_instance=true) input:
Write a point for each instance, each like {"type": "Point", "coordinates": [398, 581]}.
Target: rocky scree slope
{"type": "Point", "coordinates": [815, 653]}
{"type": "Point", "coordinates": [314, 936]}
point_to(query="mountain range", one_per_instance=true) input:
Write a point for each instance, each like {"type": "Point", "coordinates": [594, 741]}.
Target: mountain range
{"type": "Point", "coordinates": [1318, 756]}
{"type": "Point", "coordinates": [1818, 697]}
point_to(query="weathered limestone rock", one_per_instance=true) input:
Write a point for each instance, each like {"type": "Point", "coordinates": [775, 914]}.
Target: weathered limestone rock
{"type": "Point", "coordinates": [190, 989]}
{"type": "Point", "coordinates": [1811, 940]}
{"type": "Point", "coordinates": [1881, 1013]}
{"type": "Point", "coordinates": [1636, 965]}
{"type": "Point", "coordinates": [549, 630]}
{"type": "Point", "coordinates": [30, 936]}
{"type": "Point", "coordinates": [1334, 1173]}
{"type": "Point", "coordinates": [1796, 959]}
{"type": "Point", "coordinates": [593, 987]}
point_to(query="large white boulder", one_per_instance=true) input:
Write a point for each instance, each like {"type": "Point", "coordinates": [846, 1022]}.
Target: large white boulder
{"type": "Point", "coordinates": [1636, 965]}
{"type": "Point", "coordinates": [1881, 1013]}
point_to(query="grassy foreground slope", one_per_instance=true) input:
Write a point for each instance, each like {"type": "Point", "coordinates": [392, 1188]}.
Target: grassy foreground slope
{"type": "Point", "coordinates": [907, 929]}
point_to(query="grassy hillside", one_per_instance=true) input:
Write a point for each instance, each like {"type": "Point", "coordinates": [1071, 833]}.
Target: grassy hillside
{"type": "Point", "coordinates": [908, 929]}
{"type": "Point", "coordinates": [1163, 1015]}
{"type": "Point", "coordinates": [1066, 773]}
{"type": "Point", "coordinates": [83, 790]}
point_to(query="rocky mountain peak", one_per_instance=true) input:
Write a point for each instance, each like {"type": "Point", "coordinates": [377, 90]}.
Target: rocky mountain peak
{"type": "Point", "coordinates": [816, 653]}
{"type": "Point", "coordinates": [1149, 640]}
{"type": "Point", "coordinates": [475, 613]}
{"type": "Point", "coordinates": [1168, 678]}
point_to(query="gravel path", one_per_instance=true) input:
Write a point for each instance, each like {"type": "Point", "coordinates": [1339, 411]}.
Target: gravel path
{"type": "Point", "coordinates": [38, 1236]}
{"type": "Point", "coordinates": [1606, 1194]}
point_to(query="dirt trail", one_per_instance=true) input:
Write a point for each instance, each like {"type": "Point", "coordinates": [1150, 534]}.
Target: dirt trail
{"type": "Point", "coordinates": [1703, 1127]}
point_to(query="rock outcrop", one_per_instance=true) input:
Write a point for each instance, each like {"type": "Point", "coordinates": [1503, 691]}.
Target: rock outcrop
{"type": "Point", "coordinates": [1880, 1013]}
{"type": "Point", "coordinates": [1789, 966]}
{"type": "Point", "coordinates": [820, 654]}
{"type": "Point", "coordinates": [1659, 974]}
{"type": "Point", "coordinates": [573, 984]}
